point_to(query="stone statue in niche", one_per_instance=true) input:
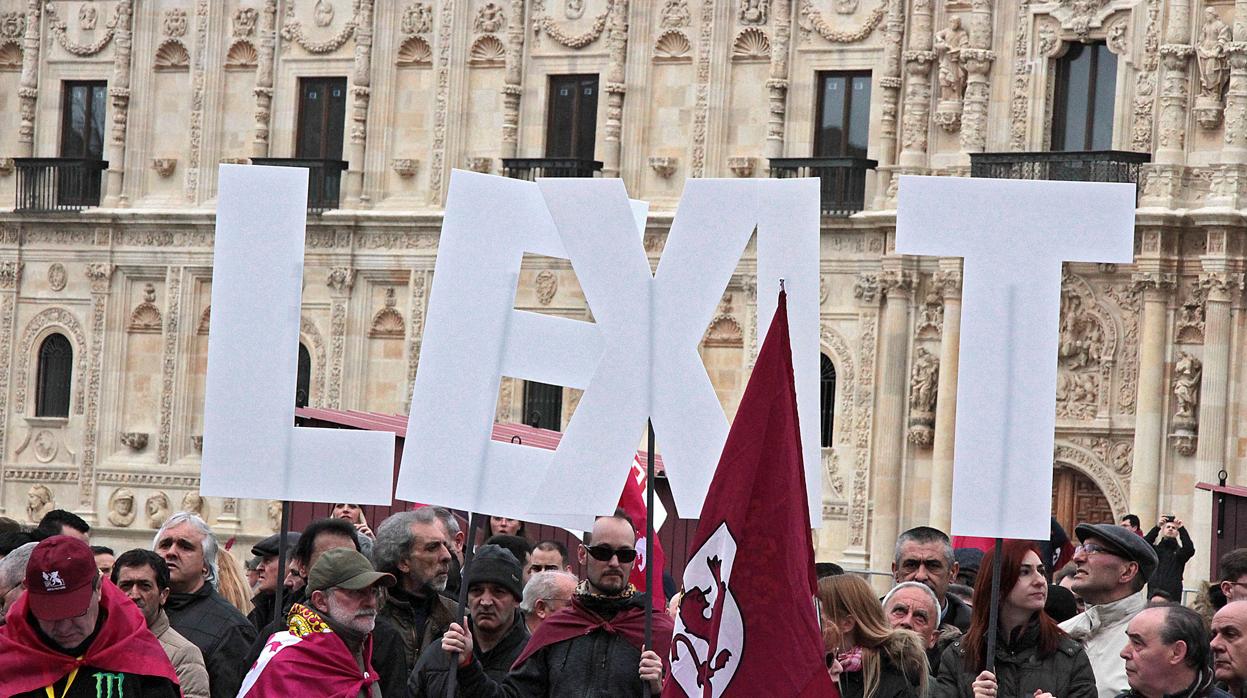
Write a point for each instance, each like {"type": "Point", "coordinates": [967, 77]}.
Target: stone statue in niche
{"type": "Point", "coordinates": [923, 381]}
{"type": "Point", "coordinates": [1186, 375]}
{"type": "Point", "coordinates": [157, 507]}
{"type": "Point", "coordinates": [949, 43]}
{"type": "Point", "coordinates": [1211, 52]}
{"type": "Point", "coordinates": [39, 502]}
{"type": "Point", "coordinates": [121, 507]}
{"type": "Point", "coordinates": [87, 17]}
{"type": "Point", "coordinates": [574, 9]}
{"type": "Point", "coordinates": [323, 13]}
{"type": "Point", "coordinates": [754, 11]}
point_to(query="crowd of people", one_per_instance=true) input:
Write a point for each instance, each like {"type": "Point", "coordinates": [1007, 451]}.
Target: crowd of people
{"type": "Point", "coordinates": [364, 612]}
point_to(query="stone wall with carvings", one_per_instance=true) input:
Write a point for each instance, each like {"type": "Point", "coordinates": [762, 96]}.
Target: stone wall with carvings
{"type": "Point", "coordinates": [688, 88]}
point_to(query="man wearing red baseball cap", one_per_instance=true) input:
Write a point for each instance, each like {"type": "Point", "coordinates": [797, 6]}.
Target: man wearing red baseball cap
{"type": "Point", "coordinates": [74, 634]}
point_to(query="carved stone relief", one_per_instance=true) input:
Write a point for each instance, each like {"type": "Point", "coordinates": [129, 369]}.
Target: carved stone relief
{"type": "Point", "coordinates": [923, 381]}
{"type": "Point", "coordinates": [560, 34]}
{"type": "Point", "coordinates": [39, 502]}
{"type": "Point", "coordinates": [158, 509]}
{"type": "Point", "coordinates": [675, 14]}
{"type": "Point", "coordinates": [950, 43]}
{"type": "Point", "coordinates": [1086, 352]}
{"type": "Point", "coordinates": [121, 509]}
{"type": "Point", "coordinates": [1190, 315]}
{"type": "Point", "coordinates": [930, 317]}
{"type": "Point", "coordinates": [193, 503]}
{"type": "Point", "coordinates": [243, 22]}
{"type": "Point", "coordinates": [813, 22]}
{"type": "Point", "coordinates": [388, 322]}
{"type": "Point", "coordinates": [546, 285]}
{"type": "Point", "coordinates": [489, 18]}
{"type": "Point", "coordinates": [1187, 371]}
{"type": "Point", "coordinates": [417, 19]}
{"type": "Point", "coordinates": [1212, 56]}
{"type": "Point", "coordinates": [145, 318]}
{"type": "Point", "coordinates": [322, 16]}
{"type": "Point", "coordinates": [751, 44]}
{"type": "Point", "coordinates": [88, 17]}
{"type": "Point", "coordinates": [753, 11]}
{"type": "Point", "coordinates": [1106, 477]}
{"type": "Point", "coordinates": [57, 277]}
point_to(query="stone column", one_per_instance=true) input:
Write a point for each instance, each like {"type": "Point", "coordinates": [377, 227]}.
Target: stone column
{"type": "Point", "coordinates": [918, 59]}
{"type": "Point", "coordinates": [170, 350]}
{"type": "Point", "coordinates": [513, 81]}
{"type": "Point", "coordinates": [617, 42]}
{"type": "Point", "coordinates": [119, 90]}
{"type": "Point", "coordinates": [266, 50]}
{"type": "Point", "coordinates": [889, 89]}
{"type": "Point", "coordinates": [360, 94]}
{"type": "Point", "coordinates": [978, 61]}
{"type": "Point", "coordinates": [948, 280]}
{"type": "Point", "coordinates": [1221, 287]}
{"type": "Point", "coordinates": [341, 280]}
{"type": "Point", "coordinates": [100, 275]}
{"type": "Point", "coordinates": [889, 423]}
{"type": "Point", "coordinates": [28, 88]}
{"type": "Point", "coordinates": [777, 85]}
{"type": "Point", "coordinates": [10, 283]}
{"type": "Point", "coordinates": [1149, 436]}
{"type": "Point", "coordinates": [1175, 55]}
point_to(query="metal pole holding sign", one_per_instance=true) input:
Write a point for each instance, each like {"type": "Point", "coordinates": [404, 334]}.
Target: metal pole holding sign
{"type": "Point", "coordinates": [452, 678]}
{"type": "Point", "coordinates": [993, 611]}
{"type": "Point", "coordinates": [649, 542]}
{"type": "Point", "coordinates": [281, 557]}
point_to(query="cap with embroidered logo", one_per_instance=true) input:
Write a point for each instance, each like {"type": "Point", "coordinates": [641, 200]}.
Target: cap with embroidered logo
{"type": "Point", "coordinates": [60, 578]}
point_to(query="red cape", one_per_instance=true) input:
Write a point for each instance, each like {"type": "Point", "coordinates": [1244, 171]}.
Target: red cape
{"type": "Point", "coordinates": [124, 645]}
{"type": "Point", "coordinates": [317, 663]}
{"type": "Point", "coordinates": [575, 620]}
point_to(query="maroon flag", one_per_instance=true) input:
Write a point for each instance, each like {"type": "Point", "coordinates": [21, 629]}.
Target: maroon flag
{"type": "Point", "coordinates": [633, 502]}
{"type": "Point", "coordinates": [753, 630]}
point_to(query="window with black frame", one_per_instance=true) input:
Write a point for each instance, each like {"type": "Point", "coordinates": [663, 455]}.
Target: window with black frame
{"type": "Point", "coordinates": [303, 383]}
{"type": "Point", "coordinates": [543, 405]}
{"type": "Point", "coordinates": [827, 399]}
{"type": "Point", "coordinates": [83, 112]}
{"type": "Point", "coordinates": [54, 376]}
{"type": "Point", "coordinates": [1086, 89]}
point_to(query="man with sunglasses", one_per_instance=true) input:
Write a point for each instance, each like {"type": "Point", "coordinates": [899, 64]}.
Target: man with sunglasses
{"type": "Point", "coordinates": [1111, 568]}
{"type": "Point", "coordinates": [74, 634]}
{"type": "Point", "coordinates": [594, 646]}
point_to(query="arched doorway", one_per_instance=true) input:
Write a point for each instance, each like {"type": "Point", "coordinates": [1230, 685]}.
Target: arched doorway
{"type": "Point", "coordinates": [1077, 499]}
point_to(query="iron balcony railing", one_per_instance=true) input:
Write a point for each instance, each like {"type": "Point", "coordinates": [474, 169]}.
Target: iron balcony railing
{"type": "Point", "coordinates": [324, 179]}
{"type": "Point", "coordinates": [1067, 166]}
{"type": "Point", "coordinates": [58, 184]}
{"type": "Point", "coordinates": [843, 180]}
{"type": "Point", "coordinates": [532, 168]}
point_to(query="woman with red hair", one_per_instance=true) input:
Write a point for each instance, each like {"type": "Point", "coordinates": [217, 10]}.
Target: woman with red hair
{"type": "Point", "coordinates": [1034, 657]}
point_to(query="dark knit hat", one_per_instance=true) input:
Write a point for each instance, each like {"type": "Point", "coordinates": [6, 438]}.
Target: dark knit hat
{"type": "Point", "coordinates": [493, 563]}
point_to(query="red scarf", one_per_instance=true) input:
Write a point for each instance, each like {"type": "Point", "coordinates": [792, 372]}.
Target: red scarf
{"type": "Point", "coordinates": [574, 620]}
{"type": "Point", "coordinates": [124, 645]}
{"type": "Point", "coordinates": [309, 659]}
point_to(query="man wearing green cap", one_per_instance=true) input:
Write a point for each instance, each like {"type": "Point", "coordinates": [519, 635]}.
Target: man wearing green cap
{"type": "Point", "coordinates": [327, 648]}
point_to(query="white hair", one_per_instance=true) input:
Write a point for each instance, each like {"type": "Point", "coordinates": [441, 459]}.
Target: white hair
{"type": "Point", "coordinates": [935, 602]}
{"type": "Point", "coordinates": [209, 542]}
{"type": "Point", "coordinates": [13, 566]}
{"type": "Point", "coordinates": [543, 585]}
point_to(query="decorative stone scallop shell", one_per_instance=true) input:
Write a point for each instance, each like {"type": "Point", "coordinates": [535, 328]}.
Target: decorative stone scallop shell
{"type": "Point", "coordinates": [10, 56]}
{"type": "Point", "coordinates": [672, 44]}
{"type": "Point", "coordinates": [487, 50]}
{"type": "Point", "coordinates": [172, 55]}
{"type": "Point", "coordinates": [751, 43]}
{"type": "Point", "coordinates": [242, 54]}
{"type": "Point", "coordinates": [415, 51]}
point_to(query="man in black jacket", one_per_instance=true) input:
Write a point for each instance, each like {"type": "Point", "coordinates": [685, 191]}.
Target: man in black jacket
{"type": "Point", "coordinates": [263, 604]}
{"type": "Point", "coordinates": [498, 630]}
{"type": "Point", "coordinates": [388, 656]}
{"type": "Point", "coordinates": [1171, 554]}
{"type": "Point", "coordinates": [925, 554]}
{"type": "Point", "coordinates": [195, 610]}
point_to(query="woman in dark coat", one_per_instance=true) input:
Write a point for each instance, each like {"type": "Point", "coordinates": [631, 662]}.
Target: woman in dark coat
{"type": "Point", "coordinates": [875, 660]}
{"type": "Point", "coordinates": [1033, 655]}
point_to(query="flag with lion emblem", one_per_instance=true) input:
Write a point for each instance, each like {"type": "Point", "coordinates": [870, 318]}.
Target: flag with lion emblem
{"type": "Point", "coordinates": [754, 630]}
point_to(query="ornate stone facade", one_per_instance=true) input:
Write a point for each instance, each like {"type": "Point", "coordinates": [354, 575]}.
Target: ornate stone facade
{"type": "Point", "coordinates": [709, 88]}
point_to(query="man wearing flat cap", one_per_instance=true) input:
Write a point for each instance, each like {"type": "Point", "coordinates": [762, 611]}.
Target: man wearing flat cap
{"type": "Point", "coordinates": [1111, 568]}
{"type": "Point", "coordinates": [74, 634]}
{"type": "Point", "coordinates": [263, 604]}
{"type": "Point", "coordinates": [497, 630]}
{"type": "Point", "coordinates": [327, 648]}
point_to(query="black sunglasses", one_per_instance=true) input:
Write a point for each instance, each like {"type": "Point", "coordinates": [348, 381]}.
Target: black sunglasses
{"type": "Point", "coordinates": [603, 553]}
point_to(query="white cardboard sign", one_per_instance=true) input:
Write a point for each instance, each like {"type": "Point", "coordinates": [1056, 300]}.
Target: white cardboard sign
{"type": "Point", "coordinates": [1014, 235]}
{"type": "Point", "coordinates": [251, 448]}
{"type": "Point", "coordinates": [638, 358]}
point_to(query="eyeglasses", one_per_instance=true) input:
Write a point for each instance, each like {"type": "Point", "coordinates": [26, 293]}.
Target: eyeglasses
{"type": "Point", "coordinates": [604, 553]}
{"type": "Point", "coordinates": [1092, 548]}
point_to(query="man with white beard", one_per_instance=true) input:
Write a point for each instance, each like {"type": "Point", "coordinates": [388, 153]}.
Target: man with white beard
{"type": "Point", "coordinates": [327, 649]}
{"type": "Point", "coordinates": [412, 546]}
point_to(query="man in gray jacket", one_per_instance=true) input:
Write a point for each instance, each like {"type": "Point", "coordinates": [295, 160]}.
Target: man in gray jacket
{"type": "Point", "coordinates": [144, 577]}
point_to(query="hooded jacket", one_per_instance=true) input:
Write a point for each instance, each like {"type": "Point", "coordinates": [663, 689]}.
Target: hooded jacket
{"type": "Point", "coordinates": [123, 651]}
{"type": "Point", "coordinates": [219, 630]}
{"type": "Point", "coordinates": [1020, 671]}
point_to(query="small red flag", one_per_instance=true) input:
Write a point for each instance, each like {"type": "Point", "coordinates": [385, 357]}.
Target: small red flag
{"type": "Point", "coordinates": [633, 502]}
{"type": "Point", "coordinates": [753, 629]}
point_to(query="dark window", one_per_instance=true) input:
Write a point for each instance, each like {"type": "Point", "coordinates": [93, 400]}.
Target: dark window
{"type": "Point", "coordinates": [572, 119]}
{"type": "Point", "coordinates": [1086, 85]}
{"type": "Point", "coordinates": [543, 405]}
{"type": "Point", "coordinates": [827, 399]}
{"type": "Point", "coordinates": [843, 126]}
{"type": "Point", "coordinates": [303, 384]}
{"type": "Point", "coordinates": [56, 365]}
{"type": "Point", "coordinates": [322, 118]}
{"type": "Point", "coordinates": [82, 120]}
